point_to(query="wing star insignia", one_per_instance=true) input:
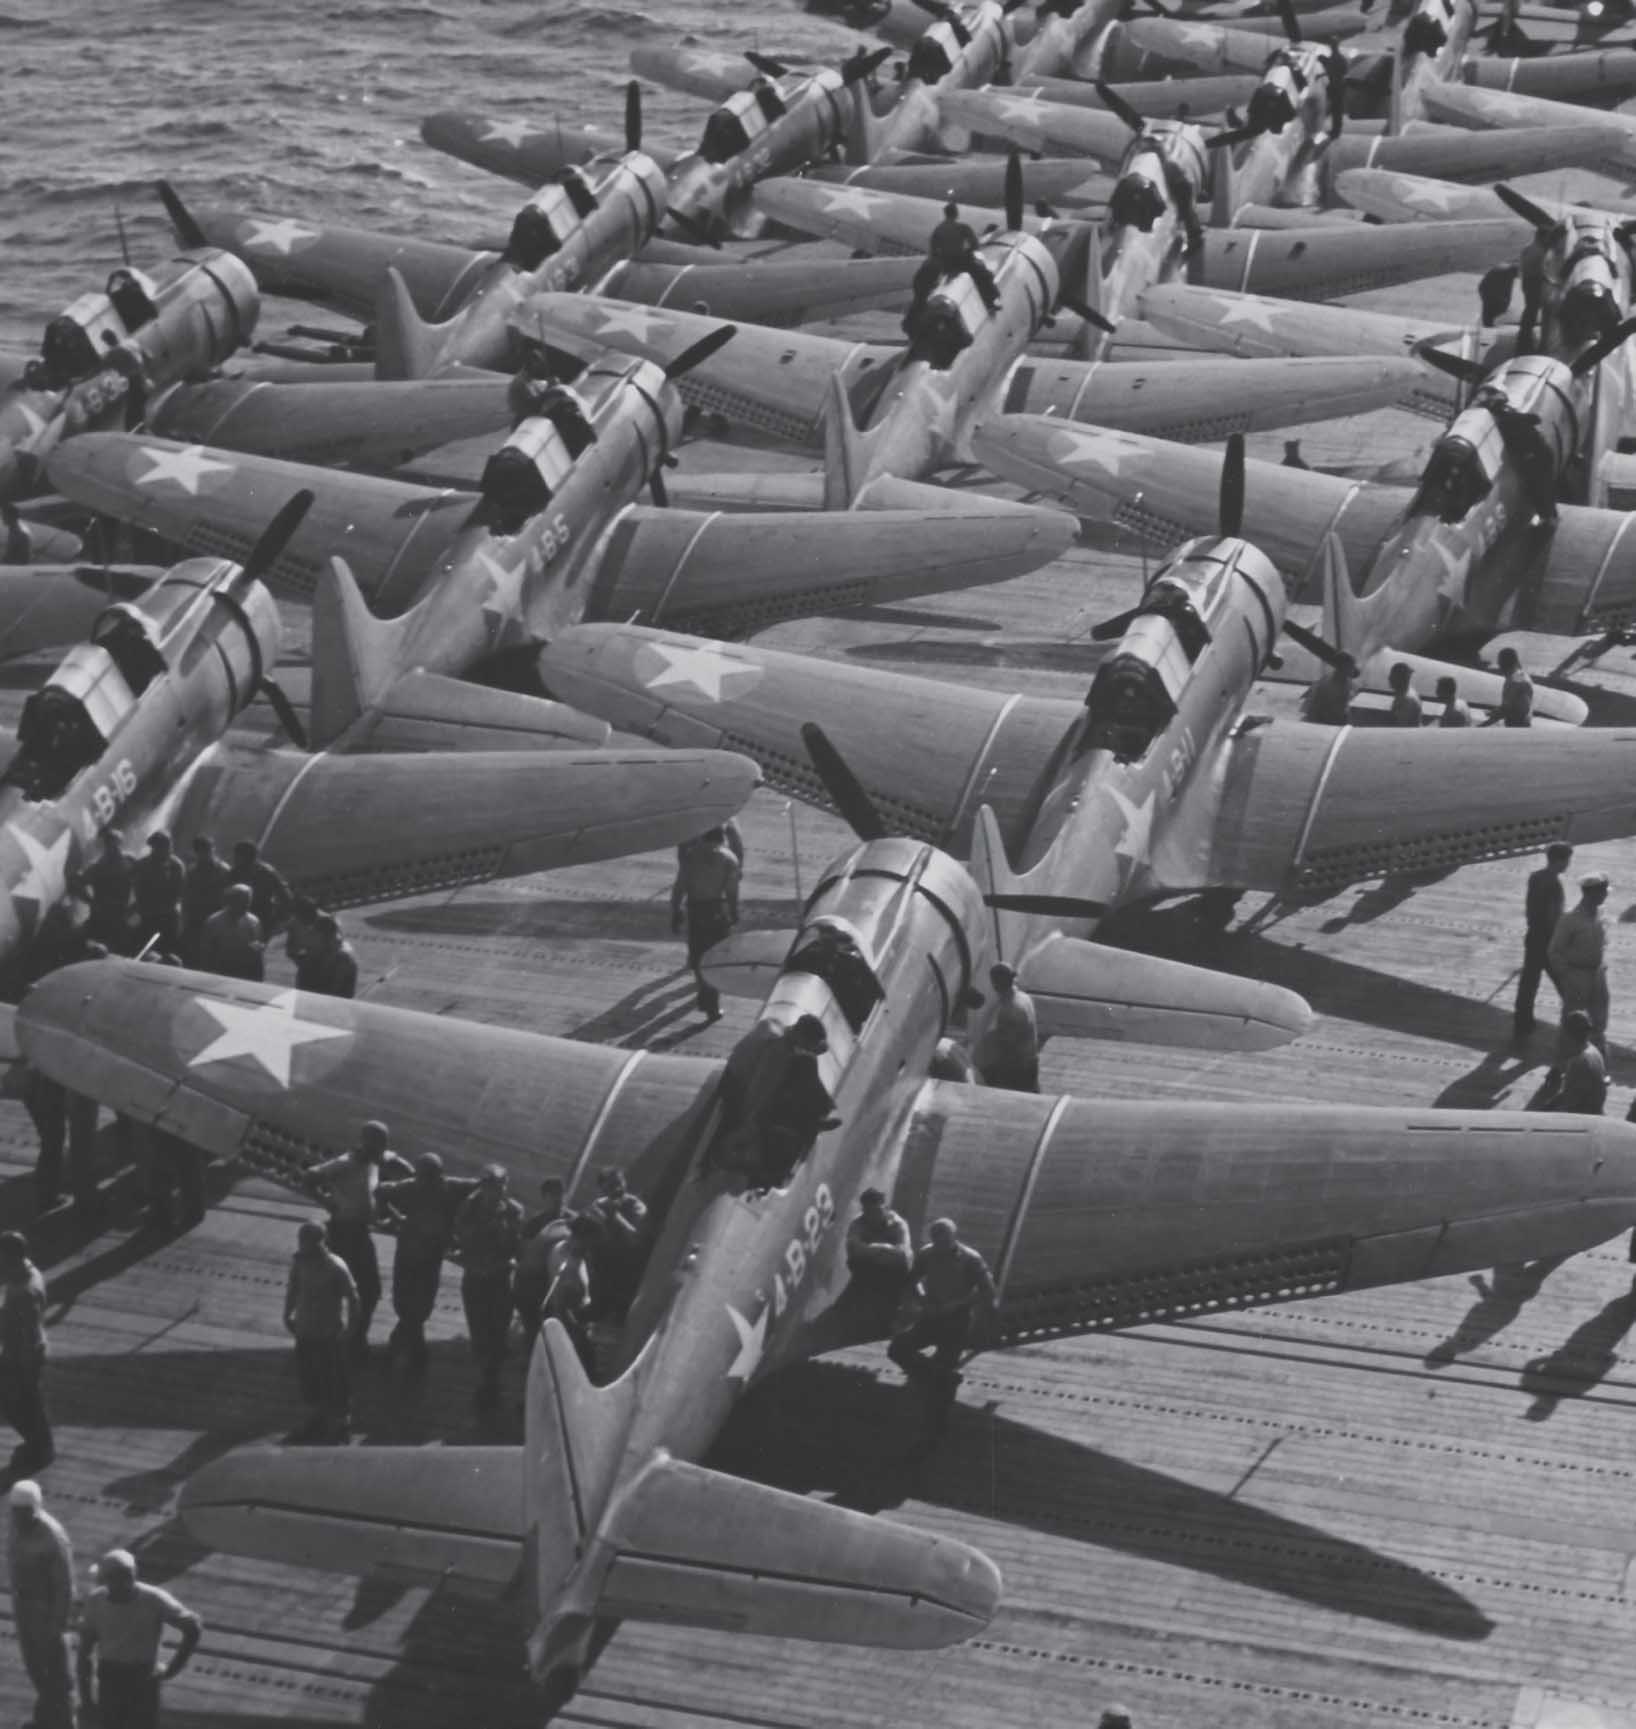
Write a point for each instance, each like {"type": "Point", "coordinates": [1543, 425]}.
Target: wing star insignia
{"type": "Point", "coordinates": [33, 423]}
{"type": "Point", "coordinates": [283, 236]}
{"type": "Point", "coordinates": [1427, 194]}
{"type": "Point", "coordinates": [185, 468]}
{"type": "Point", "coordinates": [268, 1033]}
{"type": "Point", "coordinates": [704, 668]}
{"type": "Point", "coordinates": [512, 132]}
{"type": "Point", "coordinates": [1456, 567]}
{"type": "Point", "coordinates": [47, 876]}
{"type": "Point", "coordinates": [752, 1341]}
{"type": "Point", "coordinates": [1245, 309]}
{"type": "Point", "coordinates": [499, 598]}
{"type": "Point", "coordinates": [851, 201]}
{"type": "Point", "coordinates": [635, 321]}
{"type": "Point", "coordinates": [1104, 450]}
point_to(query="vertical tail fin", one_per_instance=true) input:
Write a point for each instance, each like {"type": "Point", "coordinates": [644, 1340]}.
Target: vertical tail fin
{"type": "Point", "coordinates": [405, 345]}
{"type": "Point", "coordinates": [1344, 621]}
{"type": "Point", "coordinates": [356, 657]}
{"type": "Point", "coordinates": [991, 871]}
{"type": "Point", "coordinates": [1223, 190]}
{"type": "Point", "coordinates": [1394, 94]}
{"type": "Point", "coordinates": [845, 461]}
{"type": "Point", "coordinates": [862, 139]}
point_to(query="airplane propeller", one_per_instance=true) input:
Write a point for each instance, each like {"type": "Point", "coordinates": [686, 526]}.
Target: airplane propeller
{"type": "Point", "coordinates": [864, 64]}
{"type": "Point", "coordinates": [633, 116]}
{"type": "Point", "coordinates": [858, 810]}
{"type": "Point", "coordinates": [188, 231]}
{"type": "Point", "coordinates": [695, 228]}
{"type": "Point", "coordinates": [1292, 24]}
{"type": "Point", "coordinates": [766, 63]}
{"type": "Point", "coordinates": [846, 792]}
{"type": "Point", "coordinates": [1546, 226]}
{"type": "Point", "coordinates": [1230, 526]}
{"type": "Point", "coordinates": [267, 551]}
{"type": "Point", "coordinates": [1181, 194]}
{"type": "Point", "coordinates": [1600, 349]}
{"type": "Point", "coordinates": [944, 13]}
{"type": "Point", "coordinates": [710, 343]}
{"type": "Point", "coordinates": [1337, 68]}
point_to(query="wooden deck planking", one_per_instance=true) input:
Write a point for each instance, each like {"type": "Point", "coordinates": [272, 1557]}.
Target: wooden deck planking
{"type": "Point", "coordinates": [1236, 1521]}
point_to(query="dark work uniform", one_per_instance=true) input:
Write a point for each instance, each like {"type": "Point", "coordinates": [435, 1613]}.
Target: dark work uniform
{"type": "Point", "coordinates": [156, 885]}
{"type": "Point", "coordinates": [1544, 905]}
{"type": "Point", "coordinates": [22, 1367]}
{"type": "Point", "coordinates": [207, 881]}
{"type": "Point", "coordinates": [270, 897]}
{"type": "Point", "coordinates": [426, 1212]}
{"type": "Point", "coordinates": [108, 883]}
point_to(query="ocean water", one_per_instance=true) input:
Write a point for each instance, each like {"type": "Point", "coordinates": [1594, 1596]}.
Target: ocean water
{"type": "Point", "coordinates": [309, 108]}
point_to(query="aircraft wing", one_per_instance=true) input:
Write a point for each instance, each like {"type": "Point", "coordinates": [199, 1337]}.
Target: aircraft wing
{"type": "Point", "coordinates": [1160, 98]}
{"type": "Point", "coordinates": [1467, 105]}
{"type": "Point", "coordinates": [772, 293]}
{"type": "Point", "coordinates": [374, 425]}
{"type": "Point", "coordinates": [1166, 493]}
{"type": "Point", "coordinates": [981, 746]}
{"type": "Point", "coordinates": [1113, 1212]}
{"type": "Point", "coordinates": [1396, 196]}
{"type": "Point", "coordinates": [49, 606]}
{"type": "Point", "coordinates": [1586, 579]}
{"type": "Point", "coordinates": [530, 151]}
{"type": "Point", "coordinates": [343, 268]}
{"type": "Point", "coordinates": [772, 383]}
{"type": "Point", "coordinates": [280, 1077]}
{"type": "Point", "coordinates": [1481, 157]}
{"type": "Point", "coordinates": [216, 503]}
{"type": "Point", "coordinates": [1307, 809]}
{"type": "Point", "coordinates": [863, 218]}
{"type": "Point", "coordinates": [733, 574]}
{"type": "Point", "coordinates": [421, 1515]}
{"type": "Point", "coordinates": [1032, 123]}
{"type": "Point", "coordinates": [692, 71]}
{"type": "Point", "coordinates": [1326, 263]}
{"type": "Point", "coordinates": [1208, 47]}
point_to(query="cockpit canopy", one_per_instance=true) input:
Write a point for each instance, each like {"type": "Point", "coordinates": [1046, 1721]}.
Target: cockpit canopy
{"type": "Point", "coordinates": [1462, 467]}
{"type": "Point", "coordinates": [66, 724]}
{"type": "Point", "coordinates": [828, 949]}
{"type": "Point", "coordinates": [547, 221]}
{"type": "Point", "coordinates": [77, 340]}
{"type": "Point", "coordinates": [1137, 202]}
{"type": "Point", "coordinates": [934, 54]}
{"type": "Point", "coordinates": [740, 120]}
{"type": "Point", "coordinates": [523, 475]}
{"type": "Point", "coordinates": [948, 322]}
{"type": "Point", "coordinates": [1593, 287]}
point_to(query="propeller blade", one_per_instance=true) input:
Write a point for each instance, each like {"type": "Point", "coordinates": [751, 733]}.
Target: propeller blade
{"type": "Point", "coordinates": [766, 63]}
{"type": "Point", "coordinates": [658, 491]}
{"type": "Point", "coordinates": [1316, 646]}
{"type": "Point", "coordinates": [863, 64]}
{"type": "Point", "coordinates": [1116, 104]}
{"type": "Point", "coordinates": [1014, 192]}
{"type": "Point", "coordinates": [1494, 293]}
{"type": "Point", "coordinates": [1088, 313]}
{"type": "Point", "coordinates": [695, 229]}
{"type": "Point", "coordinates": [287, 717]}
{"type": "Point", "coordinates": [1456, 366]}
{"type": "Point", "coordinates": [633, 116]}
{"type": "Point", "coordinates": [845, 791]}
{"type": "Point", "coordinates": [191, 235]}
{"type": "Point", "coordinates": [276, 535]}
{"type": "Point", "coordinates": [1111, 629]}
{"type": "Point", "coordinates": [1292, 24]}
{"type": "Point", "coordinates": [1603, 347]}
{"type": "Point", "coordinates": [1524, 207]}
{"type": "Point", "coordinates": [1230, 511]}
{"type": "Point", "coordinates": [1047, 906]}
{"type": "Point", "coordinates": [938, 8]}
{"type": "Point", "coordinates": [701, 350]}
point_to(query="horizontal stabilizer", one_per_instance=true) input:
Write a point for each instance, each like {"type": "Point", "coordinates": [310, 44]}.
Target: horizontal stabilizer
{"type": "Point", "coordinates": [1085, 990]}
{"type": "Point", "coordinates": [772, 293]}
{"type": "Point", "coordinates": [423, 1514]}
{"type": "Point", "coordinates": [746, 963]}
{"type": "Point", "coordinates": [696, 1548]}
{"type": "Point", "coordinates": [1480, 689]}
{"type": "Point", "coordinates": [427, 711]}
{"type": "Point", "coordinates": [1479, 157]}
{"type": "Point", "coordinates": [730, 575]}
{"type": "Point", "coordinates": [45, 606]}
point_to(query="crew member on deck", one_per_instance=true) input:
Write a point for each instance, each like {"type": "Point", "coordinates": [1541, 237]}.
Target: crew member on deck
{"type": "Point", "coordinates": [705, 896]}
{"type": "Point", "coordinates": [1542, 909]}
{"type": "Point", "coordinates": [1578, 957]}
{"type": "Point", "coordinates": [1008, 1054]}
{"type": "Point", "coordinates": [955, 1290]}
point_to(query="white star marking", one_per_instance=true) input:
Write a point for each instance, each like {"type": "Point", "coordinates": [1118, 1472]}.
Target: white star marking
{"type": "Point", "coordinates": [1427, 194]}
{"type": "Point", "coordinates": [634, 321]}
{"type": "Point", "coordinates": [1104, 450]}
{"type": "Point", "coordinates": [752, 1341]}
{"type": "Point", "coordinates": [499, 599]}
{"type": "Point", "coordinates": [851, 201]}
{"type": "Point", "coordinates": [267, 1032]}
{"type": "Point", "coordinates": [512, 132]}
{"type": "Point", "coordinates": [1024, 108]}
{"type": "Point", "coordinates": [1452, 583]}
{"type": "Point", "coordinates": [277, 236]}
{"type": "Point", "coordinates": [1198, 36]}
{"type": "Point", "coordinates": [718, 65]}
{"type": "Point", "coordinates": [703, 667]}
{"type": "Point", "coordinates": [47, 875]}
{"type": "Point", "coordinates": [1136, 840]}
{"type": "Point", "coordinates": [186, 467]}
{"type": "Point", "coordinates": [1245, 309]}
